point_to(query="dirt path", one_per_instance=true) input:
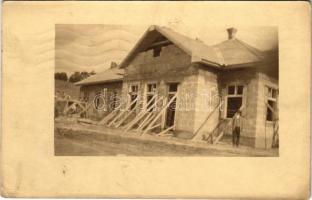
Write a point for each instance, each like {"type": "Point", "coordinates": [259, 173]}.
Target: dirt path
{"type": "Point", "coordinates": [81, 140]}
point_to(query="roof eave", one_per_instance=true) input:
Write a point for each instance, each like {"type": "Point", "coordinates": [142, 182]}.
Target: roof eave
{"type": "Point", "coordinates": [244, 65]}
{"type": "Point", "coordinates": [98, 82]}
{"type": "Point", "coordinates": [197, 59]}
{"type": "Point", "coordinates": [132, 51]}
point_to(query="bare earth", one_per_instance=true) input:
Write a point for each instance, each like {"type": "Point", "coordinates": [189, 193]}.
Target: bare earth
{"type": "Point", "coordinates": [90, 140]}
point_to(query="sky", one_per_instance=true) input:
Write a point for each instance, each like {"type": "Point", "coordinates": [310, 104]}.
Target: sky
{"type": "Point", "coordinates": [93, 47]}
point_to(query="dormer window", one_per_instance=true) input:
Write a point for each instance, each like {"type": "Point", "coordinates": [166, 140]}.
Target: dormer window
{"type": "Point", "coordinates": [156, 51]}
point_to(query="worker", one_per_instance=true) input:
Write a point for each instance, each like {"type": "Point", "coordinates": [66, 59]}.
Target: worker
{"type": "Point", "coordinates": [237, 126]}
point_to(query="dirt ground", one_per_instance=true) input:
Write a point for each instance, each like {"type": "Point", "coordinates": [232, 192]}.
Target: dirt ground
{"type": "Point", "coordinates": [93, 141]}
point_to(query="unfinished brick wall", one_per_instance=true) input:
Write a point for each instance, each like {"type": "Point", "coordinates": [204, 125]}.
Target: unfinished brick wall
{"type": "Point", "coordinates": [207, 98]}
{"type": "Point", "coordinates": [264, 129]}
{"type": "Point", "coordinates": [172, 66]}
{"type": "Point", "coordinates": [186, 104]}
{"type": "Point", "coordinates": [172, 60]}
{"type": "Point", "coordinates": [249, 79]}
{"type": "Point", "coordinates": [90, 91]}
{"type": "Point", "coordinates": [184, 117]}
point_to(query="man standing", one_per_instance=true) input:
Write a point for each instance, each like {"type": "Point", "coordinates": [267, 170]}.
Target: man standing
{"type": "Point", "coordinates": [236, 128]}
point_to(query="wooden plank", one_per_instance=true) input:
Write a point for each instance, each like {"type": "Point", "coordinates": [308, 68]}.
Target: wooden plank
{"type": "Point", "coordinates": [147, 122]}
{"type": "Point", "coordinates": [148, 116]}
{"type": "Point", "coordinates": [116, 117]}
{"type": "Point", "coordinates": [65, 108]}
{"type": "Point", "coordinates": [140, 116]}
{"type": "Point", "coordinates": [86, 121]}
{"type": "Point", "coordinates": [160, 43]}
{"type": "Point", "coordinates": [149, 102]}
{"type": "Point", "coordinates": [134, 121]}
{"type": "Point", "coordinates": [272, 109]}
{"type": "Point", "coordinates": [228, 124]}
{"type": "Point", "coordinates": [127, 115]}
{"type": "Point", "coordinates": [151, 128]}
{"type": "Point", "coordinates": [165, 131]}
{"type": "Point", "coordinates": [68, 108]}
{"type": "Point", "coordinates": [275, 135]}
{"type": "Point", "coordinates": [85, 109]}
{"type": "Point", "coordinates": [111, 114]}
{"type": "Point", "coordinates": [218, 138]}
{"type": "Point", "coordinates": [122, 112]}
{"type": "Point", "coordinates": [160, 113]}
{"type": "Point", "coordinates": [196, 134]}
{"type": "Point", "coordinates": [108, 117]}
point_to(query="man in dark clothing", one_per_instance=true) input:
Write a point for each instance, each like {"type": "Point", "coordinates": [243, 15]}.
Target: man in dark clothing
{"type": "Point", "coordinates": [236, 128]}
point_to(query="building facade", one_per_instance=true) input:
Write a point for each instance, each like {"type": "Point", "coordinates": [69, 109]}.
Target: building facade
{"type": "Point", "coordinates": [203, 86]}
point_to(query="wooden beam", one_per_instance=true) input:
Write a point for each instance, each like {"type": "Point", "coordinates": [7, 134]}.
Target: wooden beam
{"type": "Point", "coordinates": [140, 116]}
{"type": "Point", "coordinates": [229, 123]}
{"type": "Point", "coordinates": [108, 117]}
{"type": "Point", "coordinates": [144, 121]}
{"type": "Point", "coordinates": [127, 115]}
{"type": "Point", "coordinates": [160, 113]}
{"type": "Point", "coordinates": [160, 43]}
{"type": "Point", "coordinates": [122, 112]}
{"type": "Point", "coordinates": [70, 107]}
{"type": "Point", "coordinates": [165, 131]}
{"type": "Point", "coordinates": [196, 134]}
{"type": "Point", "coordinates": [85, 109]}
{"type": "Point", "coordinates": [147, 122]}
{"type": "Point", "coordinates": [151, 128]}
{"type": "Point", "coordinates": [272, 109]}
{"type": "Point", "coordinates": [65, 108]}
{"type": "Point", "coordinates": [218, 138]}
{"type": "Point", "coordinates": [111, 114]}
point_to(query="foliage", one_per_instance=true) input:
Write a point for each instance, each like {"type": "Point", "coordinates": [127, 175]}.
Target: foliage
{"type": "Point", "coordinates": [60, 76]}
{"type": "Point", "coordinates": [78, 76]}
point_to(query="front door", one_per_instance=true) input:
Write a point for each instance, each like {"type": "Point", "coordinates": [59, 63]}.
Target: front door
{"type": "Point", "coordinates": [170, 116]}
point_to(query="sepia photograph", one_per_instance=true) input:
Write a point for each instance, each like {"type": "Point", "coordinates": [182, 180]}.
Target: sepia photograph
{"type": "Point", "coordinates": [175, 90]}
{"type": "Point", "coordinates": [156, 99]}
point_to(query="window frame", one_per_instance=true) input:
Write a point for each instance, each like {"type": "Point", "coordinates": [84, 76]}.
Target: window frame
{"type": "Point", "coordinates": [150, 93]}
{"type": "Point", "coordinates": [269, 97]}
{"type": "Point", "coordinates": [130, 92]}
{"type": "Point", "coordinates": [235, 95]}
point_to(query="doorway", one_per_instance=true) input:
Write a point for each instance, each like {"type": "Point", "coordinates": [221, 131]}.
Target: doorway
{"type": "Point", "coordinates": [234, 99]}
{"type": "Point", "coordinates": [171, 110]}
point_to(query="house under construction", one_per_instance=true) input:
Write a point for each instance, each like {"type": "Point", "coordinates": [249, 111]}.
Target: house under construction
{"type": "Point", "coordinates": [170, 83]}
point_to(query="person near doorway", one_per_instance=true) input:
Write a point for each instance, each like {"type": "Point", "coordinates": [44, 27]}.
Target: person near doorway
{"type": "Point", "coordinates": [236, 128]}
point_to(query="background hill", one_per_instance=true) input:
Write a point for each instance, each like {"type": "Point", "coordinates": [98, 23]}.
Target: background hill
{"type": "Point", "coordinates": [67, 87]}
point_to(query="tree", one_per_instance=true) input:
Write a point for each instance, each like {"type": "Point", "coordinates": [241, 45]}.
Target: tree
{"type": "Point", "coordinates": [60, 76]}
{"type": "Point", "coordinates": [78, 76]}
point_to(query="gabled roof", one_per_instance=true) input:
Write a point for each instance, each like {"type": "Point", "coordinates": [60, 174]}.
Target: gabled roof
{"type": "Point", "coordinates": [229, 53]}
{"type": "Point", "coordinates": [194, 48]}
{"type": "Point", "coordinates": [109, 75]}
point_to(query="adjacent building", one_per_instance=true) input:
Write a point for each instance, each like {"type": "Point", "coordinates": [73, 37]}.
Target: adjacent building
{"type": "Point", "coordinates": [102, 91]}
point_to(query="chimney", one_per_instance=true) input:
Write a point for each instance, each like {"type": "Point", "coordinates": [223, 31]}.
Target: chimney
{"type": "Point", "coordinates": [113, 65]}
{"type": "Point", "coordinates": [231, 33]}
